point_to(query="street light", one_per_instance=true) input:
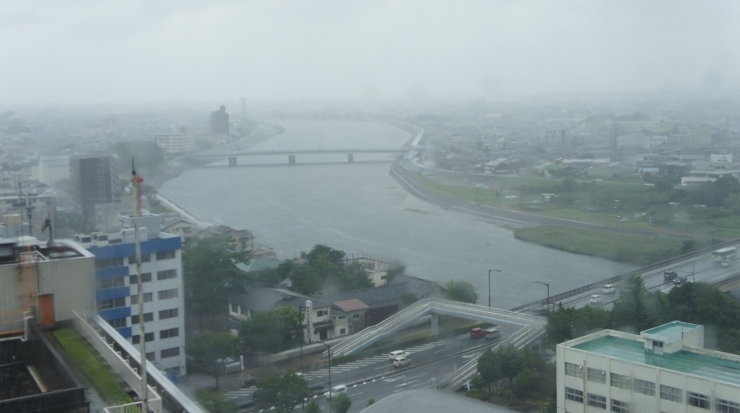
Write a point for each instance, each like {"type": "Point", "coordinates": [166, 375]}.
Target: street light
{"type": "Point", "coordinates": [548, 294]}
{"type": "Point", "coordinates": [331, 396]}
{"type": "Point", "coordinates": [489, 286]}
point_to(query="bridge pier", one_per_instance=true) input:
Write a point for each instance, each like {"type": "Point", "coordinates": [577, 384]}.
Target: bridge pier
{"type": "Point", "coordinates": [232, 160]}
{"type": "Point", "coordinates": [350, 158]}
{"type": "Point", "coordinates": [291, 159]}
{"type": "Point", "coordinates": [435, 325]}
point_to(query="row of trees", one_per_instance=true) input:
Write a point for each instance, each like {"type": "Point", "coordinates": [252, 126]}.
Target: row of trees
{"type": "Point", "coordinates": [324, 270]}
{"type": "Point", "coordinates": [639, 310]}
{"type": "Point", "coordinates": [515, 374]}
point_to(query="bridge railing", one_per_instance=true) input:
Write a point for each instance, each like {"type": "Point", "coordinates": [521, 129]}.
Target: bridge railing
{"type": "Point", "coordinates": [618, 278]}
{"type": "Point", "coordinates": [422, 308]}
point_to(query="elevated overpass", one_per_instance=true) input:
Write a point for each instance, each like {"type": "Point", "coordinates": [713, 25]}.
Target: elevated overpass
{"type": "Point", "coordinates": [433, 307]}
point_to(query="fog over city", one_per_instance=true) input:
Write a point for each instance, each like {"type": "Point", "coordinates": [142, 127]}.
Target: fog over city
{"type": "Point", "coordinates": [136, 51]}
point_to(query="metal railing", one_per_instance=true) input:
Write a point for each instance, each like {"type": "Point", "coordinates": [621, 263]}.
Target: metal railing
{"type": "Point", "coordinates": [618, 278]}
{"type": "Point", "coordinates": [422, 308]}
{"type": "Point", "coordinates": [455, 380]}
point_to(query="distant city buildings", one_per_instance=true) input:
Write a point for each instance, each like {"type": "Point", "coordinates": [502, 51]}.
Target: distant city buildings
{"type": "Point", "coordinates": [95, 181]}
{"type": "Point", "coordinates": [177, 143]}
{"type": "Point", "coordinates": [220, 122]}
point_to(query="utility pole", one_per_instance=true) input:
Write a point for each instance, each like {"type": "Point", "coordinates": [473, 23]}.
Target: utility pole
{"type": "Point", "coordinates": [136, 181]}
{"type": "Point", "coordinates": [548, 294]}
{"type": "Point", "coordinates": [331, 394]}
{"type": "Point", "coordinates": [489, 286]}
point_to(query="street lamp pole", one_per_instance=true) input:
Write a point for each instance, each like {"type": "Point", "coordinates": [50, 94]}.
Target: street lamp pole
{"type": "Point", "coordinates": [331, 396]}
{"type": "Point", "coordinates": [489, 286]}
{"type": "Point", "coordinates": [548, 294]}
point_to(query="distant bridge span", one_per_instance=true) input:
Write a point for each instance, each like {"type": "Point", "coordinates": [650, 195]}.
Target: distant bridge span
{"type": "Point", "coordinates": [297, 152]}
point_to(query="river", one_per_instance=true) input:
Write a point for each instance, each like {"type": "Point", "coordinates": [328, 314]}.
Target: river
{"type": "Point", "coordinates": [360, 208]}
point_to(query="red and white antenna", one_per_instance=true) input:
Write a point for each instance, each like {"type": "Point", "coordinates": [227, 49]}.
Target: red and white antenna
{"type": "Point", "coordinates": [136, 180]}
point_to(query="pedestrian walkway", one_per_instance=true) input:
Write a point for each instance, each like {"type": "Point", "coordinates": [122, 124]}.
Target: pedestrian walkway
{"type": "Point", "coordinates": [236, 394]}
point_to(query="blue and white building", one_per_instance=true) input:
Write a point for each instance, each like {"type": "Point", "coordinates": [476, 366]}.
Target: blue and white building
{"type": "Point", "coordinates": [117, 290]}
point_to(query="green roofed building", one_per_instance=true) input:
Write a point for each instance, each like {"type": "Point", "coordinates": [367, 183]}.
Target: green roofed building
{"type": "Point", "coordinates": [663, 369]}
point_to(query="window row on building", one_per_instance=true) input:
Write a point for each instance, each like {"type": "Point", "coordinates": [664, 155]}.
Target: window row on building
{"type": "Point", "coordinates": [648, 388]}
{"type": "Point", "coordinates": [118, 262]}
{"type": "Point", "coordinates": [148, 317]}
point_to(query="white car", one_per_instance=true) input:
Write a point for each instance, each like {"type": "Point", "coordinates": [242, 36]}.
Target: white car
{"type": "Point", "coordinates": [335, 391]}
{"type": "Point", "coordinates": [608, 289]}
{"type": "Point", "coordinates": [596, 299]}
{"type": "Point", "coordinates": [398, 354]}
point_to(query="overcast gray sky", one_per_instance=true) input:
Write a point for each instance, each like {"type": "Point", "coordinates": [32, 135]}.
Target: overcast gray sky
{"type": "Point", "coordinates": [132, 51]}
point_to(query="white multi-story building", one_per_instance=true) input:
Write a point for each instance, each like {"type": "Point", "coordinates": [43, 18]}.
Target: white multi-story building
{"type": "Point", "coordinates": [176, 142]}
{"type": "Point", "coordinates": [117, 289]}
{"type": "Point", "coordinates": [664, 369]}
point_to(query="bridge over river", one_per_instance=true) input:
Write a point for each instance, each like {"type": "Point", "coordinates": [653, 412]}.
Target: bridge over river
{"type": "Point", "coordinates": [293, 153]}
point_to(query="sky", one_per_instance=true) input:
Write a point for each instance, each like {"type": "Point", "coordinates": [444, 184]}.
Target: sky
{"type": "Point", "coordinates": [192, 51]}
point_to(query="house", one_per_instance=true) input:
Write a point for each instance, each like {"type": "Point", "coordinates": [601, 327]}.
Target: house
{"type": "Point", "coordinates": [355, 310]}
{"type": "Point", "coordinates": [241, 240]}
{"type": "Point", "coordinates": [181, 227]}
{"type": "Point", "coordinates": [327, 320]}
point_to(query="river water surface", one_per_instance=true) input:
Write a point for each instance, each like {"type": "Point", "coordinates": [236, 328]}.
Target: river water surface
{"type": "Point", "coordinates": [360, 208]}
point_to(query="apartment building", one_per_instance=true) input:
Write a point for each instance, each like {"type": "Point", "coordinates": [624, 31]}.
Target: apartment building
{"type": "Point", "coordinates": [663, 369]}
{"type": "Point", "coordinates": [117, 288]}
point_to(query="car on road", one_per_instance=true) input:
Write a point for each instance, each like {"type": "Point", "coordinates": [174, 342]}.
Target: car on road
{"type": "Point", "coordinates": [401, 362]}
{"type": "Point", "coordinates": [596, 299]}
{"type": "Point", "coordinates": [336, 390]}
{"type": "Point", "coordinates": [608, 289]}
{"type": "Point", "coordinates": [725, 264]}
{"type": "Point", "coordinates": [492, 333]}
{"type": "Point", "coordinates": [482, 186]}
{"type": "Point", "coordinates": [398, 353]}
{"type": "Point", "coordinates": [680, 280]}
{"type": "Point", "coordinates": [477, 333]}
{"type": "Point", "coordinates": [669, 275]}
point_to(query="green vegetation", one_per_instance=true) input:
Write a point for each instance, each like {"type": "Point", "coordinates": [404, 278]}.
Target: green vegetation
{"type": "Point", "coordinates": [638, 310]}
{"type": "Point", "coordinates": [282, 392]}
{"type": "Point", "coordinates": [639, 249]}
{"type": "Point", "coordinates": [84, 356]}
{"type": "Point", "coordinates": [325, 269]}
{"type": "Point", "coordinates": [508, 376]}
{"type": "Point", "coordinates": [273, 331]}
{"type": "Point", "coordinates": [341, 403]}
{"type": "Point", "coordinates": [216, 402]}
{"type": "Point", "coordinates": [208, 347]}
{"type": "Point", "coordinates": [210, 275]}
{"type": "Point", "coordinates": [461, 291]}
{"type": "Point", "coordinates": [313, 407]}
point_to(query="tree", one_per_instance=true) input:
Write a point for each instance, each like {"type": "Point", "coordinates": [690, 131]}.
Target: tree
{"type": "Point", "coordinates": [511, 361]}
{"type": "Point", "coordinates": [216, 402]}
{"type": "Point", "coordinates": [569, 184]}
{"type": "Point", "coordinates": [461, 291]}
{"type": "Point", "coordinates": [283, 392]}
{"type": "Point", "coordinates": [341, 403]}
{"type": "Point", "coordinates": [273, 331]}
{"type": "Point", "coordinates": [370, 401]}
{"type": "Point", "coordinates": [313, 407]}
{"type": "Point", "coordinates": [208, 347]}
{"type": "Point", "coordinates": [489, 367]}
{"type": "Point", "coordinates": [662, 185]}
{"type": "Point", "coordinates": [524, 383]}
{"type": "Point", "coordinates": [210, 275]}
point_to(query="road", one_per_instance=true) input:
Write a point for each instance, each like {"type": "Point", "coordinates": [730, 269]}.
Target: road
{"type": "Point", "coordinates": [446, 355]}
{"type": "Point", "coordinates": [699, 269]}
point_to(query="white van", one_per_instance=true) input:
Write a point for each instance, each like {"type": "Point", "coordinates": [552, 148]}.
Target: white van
{"type": "Point", "coordinates": [398, 354]}
{"type": "Point", "coordinates": [608, 289]}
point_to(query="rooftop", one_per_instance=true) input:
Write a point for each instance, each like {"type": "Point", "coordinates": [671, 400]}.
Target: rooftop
{"type": "Point", "coordinates": [671, 329]}
{"type": "Point", "coordinates": [709, 365]}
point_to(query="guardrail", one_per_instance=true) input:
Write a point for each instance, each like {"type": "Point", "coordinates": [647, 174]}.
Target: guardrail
{"type": "Point", "coordinates": [422, 308]}
{"type": "Point", "coordinates": [619, 278]}
{"type": "Point", "coordinates": [457, 379]}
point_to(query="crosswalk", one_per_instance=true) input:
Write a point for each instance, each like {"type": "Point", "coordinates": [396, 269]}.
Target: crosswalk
{"type": "Point", "coordinates": [236, 394]}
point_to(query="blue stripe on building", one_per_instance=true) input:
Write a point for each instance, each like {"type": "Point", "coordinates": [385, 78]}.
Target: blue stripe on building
{"type": "Point", "coordinates": [111, 293]}
{"type": "Point", "coordinates": [111, 272]}
{"type": "Point", "coordinates": [115, 313]}
{"type": "Point", "coordinates": [125, 332]}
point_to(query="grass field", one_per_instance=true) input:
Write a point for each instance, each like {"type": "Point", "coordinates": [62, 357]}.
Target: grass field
{"type": "Point", "coordinates": [638, 249]}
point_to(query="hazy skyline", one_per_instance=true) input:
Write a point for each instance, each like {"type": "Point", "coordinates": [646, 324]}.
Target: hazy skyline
{"type": "Point", "coordinates": [105, 52]}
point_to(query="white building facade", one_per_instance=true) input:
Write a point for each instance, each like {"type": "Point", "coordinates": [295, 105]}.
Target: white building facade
{"type": "Point", "coordinates": [664, 369]}
{"type": "Point", "coordinates": [164, 301]}
{"type": "Point", "coordinates": [176, 142]}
